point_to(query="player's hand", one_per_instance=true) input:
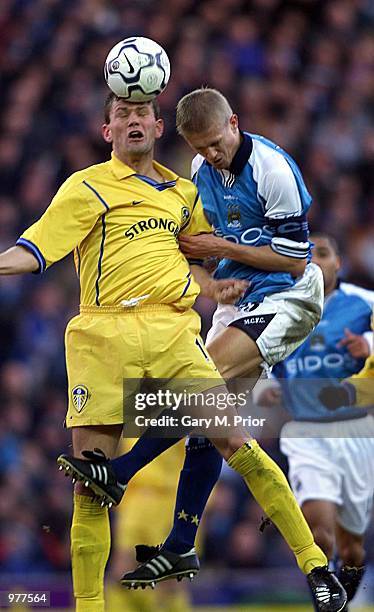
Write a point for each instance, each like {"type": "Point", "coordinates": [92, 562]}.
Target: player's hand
{"type": "Point", "coordinates": [203, 245]}
{"type": "Point", "coordinates": [356, 344]}
{"type": "Point", "coordinates": [228, 290]}
{"type": "Point", "coordinates": [336, 396]}
{"type": "Point", "coordinates": [271, 397]}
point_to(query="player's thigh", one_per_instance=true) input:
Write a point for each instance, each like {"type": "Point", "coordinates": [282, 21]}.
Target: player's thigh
{"type": "Point", "coordinates": [100, 352]}
{"type": "Point", "coordinates": [216, 410]}
{"type": "Point", "coordinates": [320, 513]}
{"type": "Point", "coordinates": [235, 354]}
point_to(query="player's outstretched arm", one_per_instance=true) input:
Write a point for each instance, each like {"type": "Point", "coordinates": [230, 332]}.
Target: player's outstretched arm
{"type": "Point", "coordinates": [226, 291]}
{"type": "Point", "coordinates": [17, 260]}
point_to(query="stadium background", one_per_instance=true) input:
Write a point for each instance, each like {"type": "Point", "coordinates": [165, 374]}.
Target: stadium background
{"type": "Point", "coordinates": [300, 73]}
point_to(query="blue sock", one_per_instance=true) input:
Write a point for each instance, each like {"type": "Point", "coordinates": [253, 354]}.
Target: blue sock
{"type": "Point", "coordinates": [201, 470]}
{"type": "Point", "coordinates": [142, 453]}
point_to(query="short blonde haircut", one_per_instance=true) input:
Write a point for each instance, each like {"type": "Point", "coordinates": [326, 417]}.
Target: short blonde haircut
{"type": "Point", "coordinates": [201, 109]}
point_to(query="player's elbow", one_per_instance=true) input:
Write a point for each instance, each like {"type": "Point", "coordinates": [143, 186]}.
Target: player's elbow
{"type": "Point", "coordinates": [18, 260]}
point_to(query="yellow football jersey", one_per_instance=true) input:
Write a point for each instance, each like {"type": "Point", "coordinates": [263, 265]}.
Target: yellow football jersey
{"type": "Point", "coordinates": [123, 228]}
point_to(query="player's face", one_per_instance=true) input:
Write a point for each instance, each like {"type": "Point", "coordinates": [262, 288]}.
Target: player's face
{"type": "Point", "coordinates": [218, 144]}
{"type": "Point", "coordinates": [132, 129]}
{"type": "Point", "coordinates": [324, 255]}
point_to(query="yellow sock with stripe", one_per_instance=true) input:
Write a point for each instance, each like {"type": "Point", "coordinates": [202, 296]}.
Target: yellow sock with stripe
{"type": "Point", "coordinates": [270, 488]}
{"type": "Point", "coordinates": [90, 546]}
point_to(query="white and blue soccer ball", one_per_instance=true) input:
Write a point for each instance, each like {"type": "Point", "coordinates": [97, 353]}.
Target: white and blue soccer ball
{"type": "Point", "coordinates": [137, 69]}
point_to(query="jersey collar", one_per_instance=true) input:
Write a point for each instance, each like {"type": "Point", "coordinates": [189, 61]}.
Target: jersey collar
{"type": "Point", "coordinates": [121, 170]}
{"type": "Point", "coordinates": [241, 156]}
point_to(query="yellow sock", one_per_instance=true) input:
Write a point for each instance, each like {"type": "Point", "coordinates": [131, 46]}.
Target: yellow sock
{"type": "Point", "coordinates": [176, 602]}
{"type": "Point", "coordinates": [271, 490]}
{"type": "Point", "coordinates": [120, 599]}
{"type": "Point", "coordinates": [90, 546]}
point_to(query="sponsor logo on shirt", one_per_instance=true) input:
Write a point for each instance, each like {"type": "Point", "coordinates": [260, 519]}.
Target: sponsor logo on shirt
{"type": "Point", "coordinates": [336, 363]}
{"type": "Point", "coordinates": [252, 235]}
{"type": "Point", "coordinates": [150, 224]}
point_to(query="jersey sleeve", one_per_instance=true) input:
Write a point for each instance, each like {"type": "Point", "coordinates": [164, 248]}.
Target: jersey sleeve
{"type": "Point", "coordinates": [65, 223]}
{"type": "Point", "coordinates": [196, 222]}
{"type": "Point", "coordinates": [279, 194]}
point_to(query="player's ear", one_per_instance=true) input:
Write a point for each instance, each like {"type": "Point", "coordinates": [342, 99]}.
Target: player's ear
{"type": "Point", "coordinates": [106, 133]}
{"type": "Point", "coordinates": [234, 122]}
{"type": "Point", "coordinates": [159, 128]}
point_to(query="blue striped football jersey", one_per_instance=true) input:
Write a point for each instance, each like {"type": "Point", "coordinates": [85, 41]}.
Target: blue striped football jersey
{"type": "Point", "coordinates": [260, 200]}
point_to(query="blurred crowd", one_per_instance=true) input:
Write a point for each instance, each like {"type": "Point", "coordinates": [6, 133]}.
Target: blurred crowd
{"type": "Point", "coordinates": [298, 72]}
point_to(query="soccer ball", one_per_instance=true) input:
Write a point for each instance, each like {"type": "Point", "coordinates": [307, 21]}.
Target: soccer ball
{"type": "Point", "coordinates": [137, 69]}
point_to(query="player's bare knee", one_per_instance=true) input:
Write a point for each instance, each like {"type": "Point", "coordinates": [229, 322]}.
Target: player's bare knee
{"type": "Point", "coordinates": [231, 370]}
{"type": "Point", "coordinates": [325, 539]}
{"type": "Point", "coordinates": [228, 446]}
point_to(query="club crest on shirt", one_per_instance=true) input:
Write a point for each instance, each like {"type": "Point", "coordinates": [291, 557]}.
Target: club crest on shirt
{"type": "Point", "coordinates": [185, 213]}
{"type": "Point", "coordinates": [317, 342]}
{"type": "Point", "coordinates": [185, 216]}
{"type": "Point", "coordinates": [233, 216]}
{"type": "Point", "coordinates": [80, 395]}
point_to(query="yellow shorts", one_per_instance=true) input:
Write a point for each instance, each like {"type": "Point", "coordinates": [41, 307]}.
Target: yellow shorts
{"type": "Point", "coordinates": [106, 345]}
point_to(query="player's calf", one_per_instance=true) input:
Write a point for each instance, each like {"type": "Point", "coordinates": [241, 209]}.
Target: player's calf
{"type": "Point", "coordinates": [352, 555]}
